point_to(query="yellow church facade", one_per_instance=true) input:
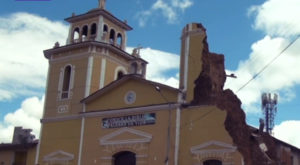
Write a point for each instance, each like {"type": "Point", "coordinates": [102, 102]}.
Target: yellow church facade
{"type": "Point", "coordinates": [99, 108]}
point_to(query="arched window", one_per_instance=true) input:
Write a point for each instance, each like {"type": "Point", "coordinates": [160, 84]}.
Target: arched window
{"type": "Point", "coordinates": [134, 68]}
{"type": "Point", "coordinates": [120, 75]}
{"type": "Point", "coordinates": [112, 36]}
{"type": "Point", "coordinates": [119, 40]}
{"type": "Point", "coordinates": [105, 28]}
{"type": "Point", "coordinates": [93, 29]}
{"type": "Point", "coordinates": [120, 71]}
{"type": "Point", "coordinates": [66, 82]}
{"type": "Point", "coordinates": [76, 35]}
{"type": "Point", "coordinates": [143, 69]}
{"type": "Point", "coordinates": [84, 33]}
{"type": "Point", "coordinates": [124, 158]}
{"type": "Point", "coordinates": [212, 162]}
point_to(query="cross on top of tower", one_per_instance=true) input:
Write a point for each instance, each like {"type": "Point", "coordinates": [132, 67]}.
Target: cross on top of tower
{"type": "Point", "coordinates": [101, 4]}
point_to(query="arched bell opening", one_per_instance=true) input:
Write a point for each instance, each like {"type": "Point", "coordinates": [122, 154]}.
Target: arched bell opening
{"type": "Point", "coordinates": [75, 35]}
{"type": "Point", "coordinates": [134, 68]}
{"type": "Point", "coordinates": [93, 31]}
{"type": "Point", "coordinates": [84, 34]}
{"type": "Point", "coordinates": [119, 40]}
{"type": "Point", "coordinates": [112, 36]}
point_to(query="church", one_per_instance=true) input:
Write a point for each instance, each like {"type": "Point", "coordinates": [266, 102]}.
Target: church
{"type": "Point", "coordinates": [101, 110]}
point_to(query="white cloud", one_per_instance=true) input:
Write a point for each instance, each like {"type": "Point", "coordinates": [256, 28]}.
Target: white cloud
{"type": "Point", "coordinates": [169, 9]}
{"type": "Point", "coordinates": [288, 131]}
{"type": "Point", "coordinates": [160, 64]}
{"type": "Point", "coordinates": [23, 37]}
{"type": "Point", "coordinates": [277, 17]}
{"type": "Point", "coordinates": [278, 77]}
{"type": "Point", "coordinates": [27, 116]}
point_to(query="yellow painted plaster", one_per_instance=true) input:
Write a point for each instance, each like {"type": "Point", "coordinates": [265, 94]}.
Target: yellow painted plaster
{"type": "Point", "coordinates": [194, 63]}
{"type": "Point", "coordinates": [7, 157]}
{"type": "Point", "coordinates": [145, 95]}
{"type": "Point", "coordinates": [155, 151]}
{"type": "Point", "coordinates": [31, 155]}
{"type": "Point", "coordinates": [63, 136]}
{"type": "Point", "coordinates": [200, 125]}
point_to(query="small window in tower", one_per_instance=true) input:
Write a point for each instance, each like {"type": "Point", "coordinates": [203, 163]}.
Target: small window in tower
{"type": "Point", "coordinates": [93, 30]}
{"type": "Point", "coordinates": [143, 69]}
{"type": "Point", "coordinates": [119, 40]}
{"type": "Point", "coordinates": [76, 35]}
{"type": "Point", "coordinates": [120, 75]}
{"type": "Point", "coordinates": [112, 36]}
{"type": "Point", "coordinates": [134, 68]}
{"type": "Point", "coordinates": [66, 82]}
{"type": "Point", "coordinates": [105, 28]}
{"type": "Point", "coordinates": [84, 33]}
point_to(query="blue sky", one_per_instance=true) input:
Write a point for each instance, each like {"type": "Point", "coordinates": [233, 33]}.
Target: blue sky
{"type": "Point", "coordinates": [250, 33]}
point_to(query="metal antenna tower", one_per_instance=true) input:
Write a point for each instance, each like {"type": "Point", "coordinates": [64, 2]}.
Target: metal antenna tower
{"type": "Point", "coordinates": [269, 108]}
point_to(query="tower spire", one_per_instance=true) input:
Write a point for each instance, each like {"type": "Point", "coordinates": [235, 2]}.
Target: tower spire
{"type": "Point", "coordinates": [101, 4]}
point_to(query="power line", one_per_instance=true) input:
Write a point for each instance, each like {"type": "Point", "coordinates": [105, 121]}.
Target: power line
{"type": "Point", "coordinates": [268, 64]}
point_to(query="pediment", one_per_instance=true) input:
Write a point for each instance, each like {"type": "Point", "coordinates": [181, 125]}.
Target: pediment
{"type": "Point", "coordinates": [59, 156]}
{"type": "Point", "coordinates": [126, 136]}
{"type": "Point", "coordinates": [130, 91]}
{"type": "Point", "coordinates": [213, 147]}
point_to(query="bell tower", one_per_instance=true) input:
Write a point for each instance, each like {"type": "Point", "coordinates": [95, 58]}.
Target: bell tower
{"type": "Point", "coordinates": [191, 58]}
{"type": "Point", "coordinates": [93, 56]}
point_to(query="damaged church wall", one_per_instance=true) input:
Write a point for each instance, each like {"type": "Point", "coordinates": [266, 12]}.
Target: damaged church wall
{"type": "Point", "coordinates": [204, 137]}
{"type": "Point", "coordinates": [209, 91]}
{"type": "Point", "coordinates": [190, 60]}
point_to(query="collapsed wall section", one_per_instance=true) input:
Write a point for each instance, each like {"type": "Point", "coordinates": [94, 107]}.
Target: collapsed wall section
{"type": "Point", "coordinates": [209, 91]}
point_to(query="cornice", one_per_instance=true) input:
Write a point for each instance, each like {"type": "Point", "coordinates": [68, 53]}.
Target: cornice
{"type": "Point", "coordinates": [126, 111]}
{"type": "Point", "coordinates": [49, 52]}
{"type": "Point", "coordinates": [111, 112]}
{"type": "Point", "coordinates": [98, 12]}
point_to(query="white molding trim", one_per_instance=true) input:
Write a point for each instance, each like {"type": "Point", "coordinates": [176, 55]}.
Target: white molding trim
{"type": "Point", "coordinates": [72, 76]}
{"type": "Point", "coordinates": [81, 140]}
{"type": "Point", "coordinates": [119, 68]}
{"type": "Point", "coordinates": [89, 76]}
{"type": "Point", "coordinates": [225, 148]}
{"type": "Point", "coordinates": [67, 58]}
{"type": "Point", "coordinates": [186, 62]}
{"type": "Point", "coordinates": [100, 29]}
{"type": "Point", "coordinates": [132, 110]}
{"type": "Point", "coordinates": [141, 156]}
{"type": "Point", "coordinates": [61, 81]}
{"type": "Point", "coordinates": [60, 118]}
{"type": "Point", "coordinates": [114, 59]}
{"type": "Point", "coordinates": [44, 108]}
{"type": "Point", "coordinates": [107, 158]}
{"type": "Point", "coordinates": [177, 135]}
{"type": "Point", "coordinates": [66, 156]}
{"type": "Point", "coordinates": [102, 73]}
{"type": "Point", "coordinates": [70, 36]}
{"type": "Point", "coordinates": [145, 137]}
{"type": "Point", "coordinates": [103, 113]}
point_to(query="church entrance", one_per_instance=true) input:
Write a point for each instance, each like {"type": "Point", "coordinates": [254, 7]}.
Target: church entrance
{"type": "Point", "coordinates": [212, 162]}
{"type": "Point", "coordinates": [124, 158]}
